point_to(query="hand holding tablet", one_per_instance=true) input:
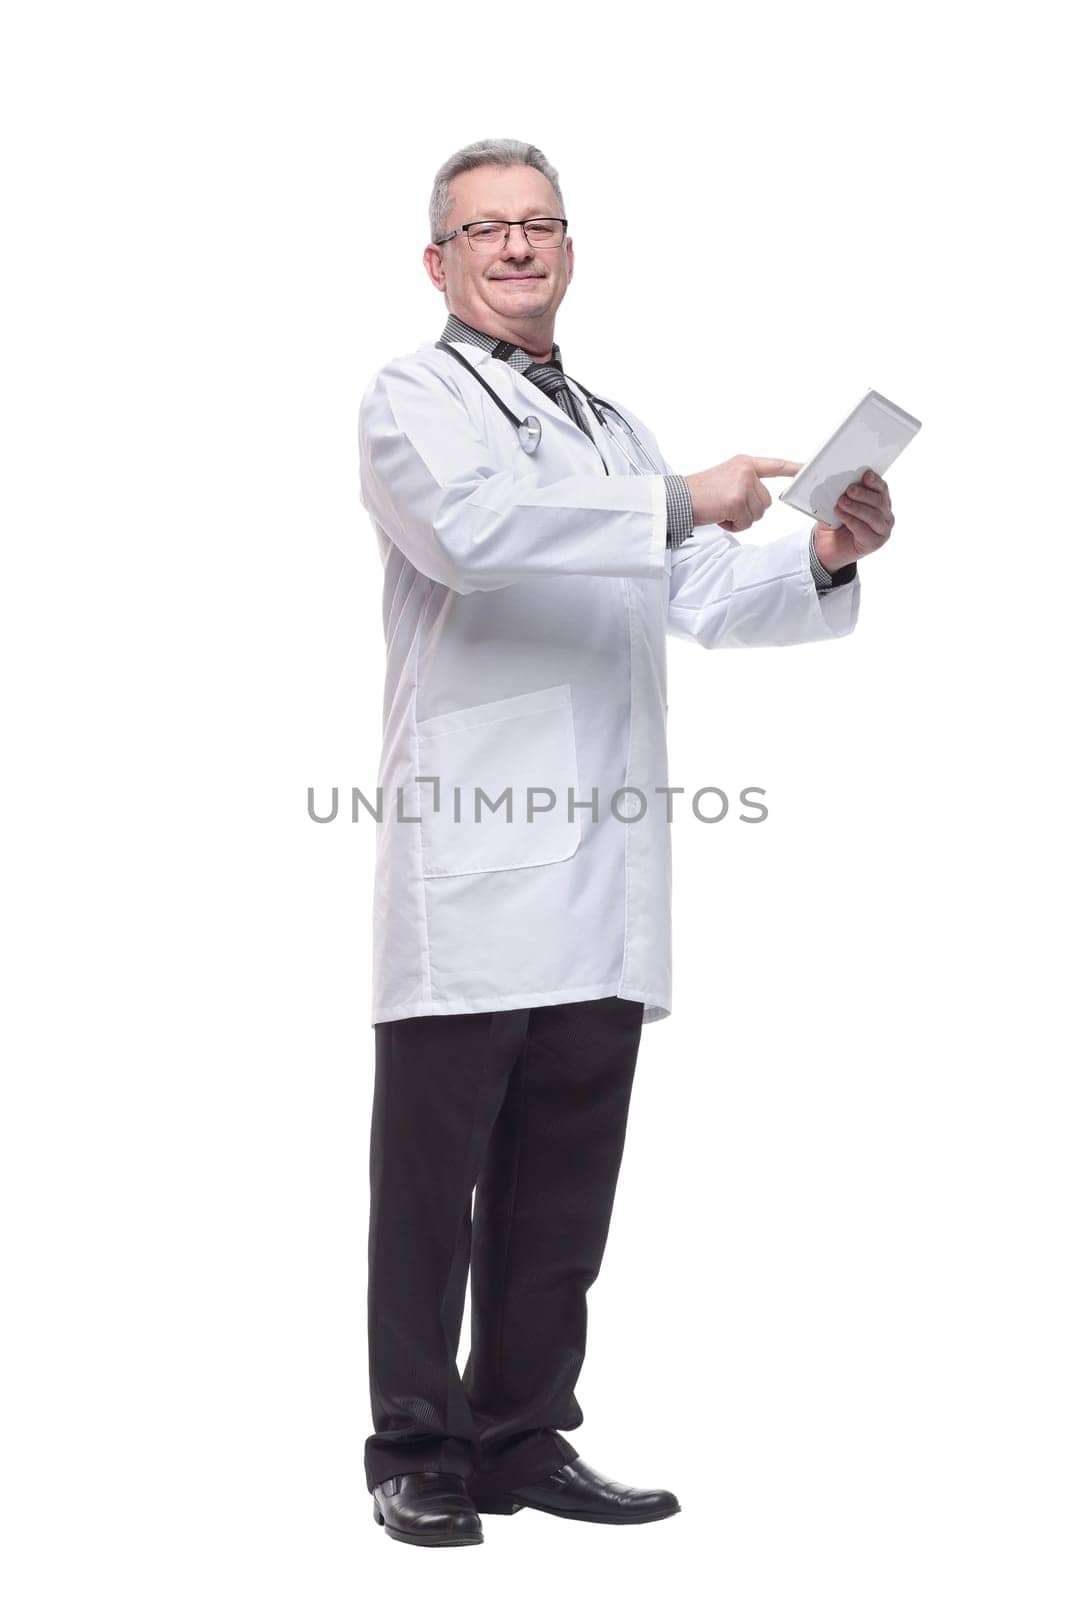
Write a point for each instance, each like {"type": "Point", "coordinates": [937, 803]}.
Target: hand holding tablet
{"type": "Point", "coordinates": [872, 436]}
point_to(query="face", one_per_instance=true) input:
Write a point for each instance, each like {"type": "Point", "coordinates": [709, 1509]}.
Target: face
{"type": "Point", "coordinates": [513, 292]}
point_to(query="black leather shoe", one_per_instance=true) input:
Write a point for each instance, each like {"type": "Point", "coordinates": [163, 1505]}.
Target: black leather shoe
{"type": "Point", "coordinates": [577, 1490]}
{"type": "Point", "coordinates": [427, 1508]}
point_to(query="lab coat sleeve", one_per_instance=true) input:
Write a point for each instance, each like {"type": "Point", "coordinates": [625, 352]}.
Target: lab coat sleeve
{"type": "Point", "coordinates": [429, 480]}
{"type": "Point", "coordinates": [725, 593]}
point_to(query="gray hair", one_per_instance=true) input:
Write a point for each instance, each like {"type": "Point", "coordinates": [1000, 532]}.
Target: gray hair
{"type": "Point", "coordinates": [486, 153]}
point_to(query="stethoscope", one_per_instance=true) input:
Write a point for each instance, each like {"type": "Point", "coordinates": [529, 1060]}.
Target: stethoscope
{"type": "Point", "coordinates": [529, 428]}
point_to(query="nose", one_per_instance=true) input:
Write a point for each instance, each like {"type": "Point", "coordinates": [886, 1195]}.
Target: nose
{"type": "Point", "coordinates": [517, 247]}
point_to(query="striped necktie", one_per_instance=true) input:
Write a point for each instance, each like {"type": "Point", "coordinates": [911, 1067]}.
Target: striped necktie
{"type": "Point", "coordinates": [548, 376]}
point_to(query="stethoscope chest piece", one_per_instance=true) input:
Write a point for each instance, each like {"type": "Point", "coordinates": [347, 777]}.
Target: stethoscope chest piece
{"type": "Point", "coordinates": [529, 434]}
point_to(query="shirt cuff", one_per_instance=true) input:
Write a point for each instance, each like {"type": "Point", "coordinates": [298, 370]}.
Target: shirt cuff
{"type": "Point", "coordinates": [828, 580]}
{"type": "Point", "coordinates": [679, 510]}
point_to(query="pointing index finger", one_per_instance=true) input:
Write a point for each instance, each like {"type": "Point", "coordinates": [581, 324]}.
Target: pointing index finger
{"type": "Point", "coordinates": [775, 467]}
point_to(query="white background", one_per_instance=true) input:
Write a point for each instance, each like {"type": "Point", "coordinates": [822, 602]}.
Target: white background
{"type": "Point", "coordinates": [831, 1312]}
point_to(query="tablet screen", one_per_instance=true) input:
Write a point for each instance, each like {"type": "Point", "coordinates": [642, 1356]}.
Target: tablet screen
{"type": "Point", "coordinates": [871, 436]}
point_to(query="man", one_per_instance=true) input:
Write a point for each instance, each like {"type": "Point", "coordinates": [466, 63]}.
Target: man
{"type": "Point", "coordinates": [537, 550]}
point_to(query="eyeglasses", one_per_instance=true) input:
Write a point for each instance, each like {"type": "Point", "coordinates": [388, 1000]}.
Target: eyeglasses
{"type": "Point", "coordinates": [542, 233]}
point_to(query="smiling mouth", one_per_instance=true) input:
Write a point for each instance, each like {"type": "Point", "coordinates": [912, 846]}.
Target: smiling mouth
{"type": "Point", "coordinates": [520, 277]}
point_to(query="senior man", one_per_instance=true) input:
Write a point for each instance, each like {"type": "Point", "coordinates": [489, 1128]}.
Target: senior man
{"type": "Point", "coordinates": [537, 549]}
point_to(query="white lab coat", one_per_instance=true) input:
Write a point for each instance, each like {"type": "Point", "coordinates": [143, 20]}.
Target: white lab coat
{"type": "Point", "coordinates": [526, 607]}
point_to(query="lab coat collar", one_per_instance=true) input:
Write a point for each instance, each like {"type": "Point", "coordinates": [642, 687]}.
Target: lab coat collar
{"type": "Point", "coordinates": [529, 397]}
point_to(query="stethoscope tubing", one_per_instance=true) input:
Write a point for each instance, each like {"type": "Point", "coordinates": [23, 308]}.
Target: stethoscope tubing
{"type": "Point", "coordinates": [598, 407]}
{"type": "Point", "coordinates": [529, 429]}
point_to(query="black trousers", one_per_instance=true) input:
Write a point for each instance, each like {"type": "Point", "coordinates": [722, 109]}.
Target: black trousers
{"type": "Point", "coordinates": [528, 1108]}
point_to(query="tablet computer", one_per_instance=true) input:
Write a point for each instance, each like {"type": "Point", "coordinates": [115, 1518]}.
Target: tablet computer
{"type": "Point", "coordinates": [872, 435]}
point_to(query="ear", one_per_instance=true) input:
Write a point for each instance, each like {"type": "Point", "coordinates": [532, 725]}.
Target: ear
{"type": "Point", "coordinates": [435, 266]}
{"type": "Point", "coordinates": [570, 258]}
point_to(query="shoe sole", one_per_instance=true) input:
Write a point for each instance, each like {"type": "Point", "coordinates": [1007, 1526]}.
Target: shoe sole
{"type": "Point", "coordinates": [422, 1538]}
{"type": "Point", "coordinates": [508, 1508]}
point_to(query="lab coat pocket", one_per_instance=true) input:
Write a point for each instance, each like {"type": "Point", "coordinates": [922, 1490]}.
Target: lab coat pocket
{"type": "Point", "coordinates": [493, 763]}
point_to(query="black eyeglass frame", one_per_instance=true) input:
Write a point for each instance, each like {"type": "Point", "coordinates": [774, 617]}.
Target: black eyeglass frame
{"type": "Point", "coordinates": [520, 222]}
